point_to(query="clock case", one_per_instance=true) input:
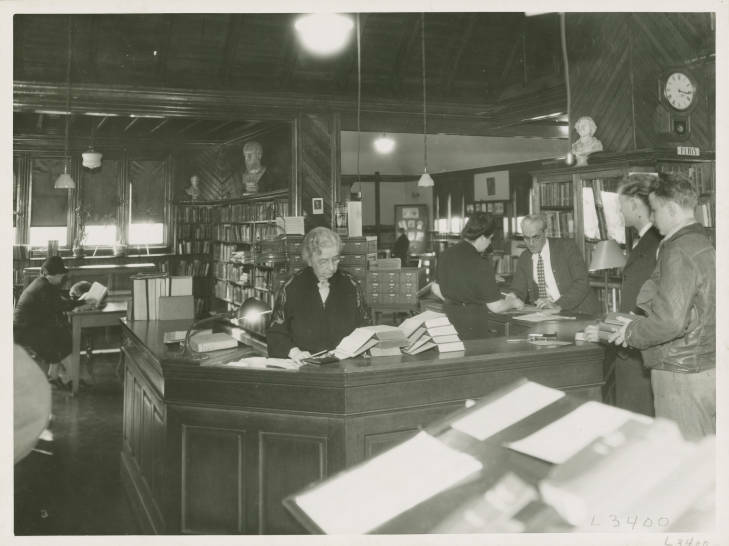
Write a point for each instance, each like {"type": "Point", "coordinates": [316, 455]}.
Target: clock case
{"type": "Point", "coordinates": [673, 125]}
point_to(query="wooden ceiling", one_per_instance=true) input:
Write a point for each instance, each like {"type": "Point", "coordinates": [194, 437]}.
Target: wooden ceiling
{"type": "Point", "coordinates": [490, 72]}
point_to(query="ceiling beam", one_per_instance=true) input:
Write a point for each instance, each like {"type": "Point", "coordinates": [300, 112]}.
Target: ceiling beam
{"type": "Point", "coordinates": [131, 124]}
{"type": "Point", "coordinates": [404, 52]}
{"type": "Point", "coordinates": [101, 123]}
{"type": "Point", "coordinates": [159, 125]}
{"type": "Point", "coordinates": [449, 117]}
{"type": "Point", "coordinates": [230, 46]}
{"type": "Point", "coordinates": [216, 128]}
{"type": "Point", "coordinates": [510, 59]}
{"type": "Point", "coordinates": [189, 126]}
{"type": "Point", "coordinates": [92, 70]}
{"type": "Point", "coordinates": [458, 46]}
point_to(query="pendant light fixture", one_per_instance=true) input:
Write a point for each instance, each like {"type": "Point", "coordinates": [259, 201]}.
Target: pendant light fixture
{"type": "Point", "coordinates": [570, 157]}
{"type": "Point", "coordinates": [64, 181]}
{"type": "Point", "coordinates": [425, 180]}
{"type": "Point", "coordinates": [91, 158]}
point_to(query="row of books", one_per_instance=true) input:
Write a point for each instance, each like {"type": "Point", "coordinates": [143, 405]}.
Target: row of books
{"type": "Point", "coordinates": [193, 268]}
{"type": "Point", "coordinates": [494, 207]}
{"type": "Point", "coordinates": [233, 272]}
{"type": "Point", "coordinates": [195, 231]}
{"type": "Point", "coordinates": [429, 330]}
{"type": "Point", "coordinates": [700, 175]}
{"type": "Point", "coordinates": [503, 264]}
{"type": "Point", "coordinates": [704, 213]}
{"type": "Point", "coordinates": [559, 223]}
{"type": "Point", "coordinates": [246, 212]}
{"type": "Point", "coordinates": [193, 247]}
{"type": "Point", "coordinates": [148, 289]}
{"type": "Point", "coordinates": [245, 233]}
{"type": "Point", "coordinates": [556, 194]}
{"type": "Point", "coordinates": [233, 293]}
{"type": "Point", "coordinates": [194, 214]}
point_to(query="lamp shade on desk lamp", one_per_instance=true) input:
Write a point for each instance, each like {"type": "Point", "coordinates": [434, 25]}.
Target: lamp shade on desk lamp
{"type": "Point", "coordinates": [250, 311]}
{"type": "Point", "coordinates": [607, 255]}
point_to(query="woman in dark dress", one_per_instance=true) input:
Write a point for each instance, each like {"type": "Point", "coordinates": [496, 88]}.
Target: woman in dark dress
{"type": "Point", "coordinates": [467, 282]}
{"type": "Point", "coordinates": [319, 305]}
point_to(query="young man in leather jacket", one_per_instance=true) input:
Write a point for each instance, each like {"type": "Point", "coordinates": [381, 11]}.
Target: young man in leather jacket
{"type": "Point", "coordinates": [677, 335]}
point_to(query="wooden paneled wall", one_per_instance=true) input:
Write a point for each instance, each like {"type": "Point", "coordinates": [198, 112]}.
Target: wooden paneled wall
{"type": "Point", "coordinates": [615, 62]}
{"type": "Point", "coordinates": [319, 164]}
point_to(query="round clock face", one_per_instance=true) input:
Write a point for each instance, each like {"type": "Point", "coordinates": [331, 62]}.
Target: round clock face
{"type": "Point", "coordinates": [679, 90]}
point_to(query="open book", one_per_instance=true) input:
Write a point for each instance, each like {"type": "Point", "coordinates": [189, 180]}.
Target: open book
{"type": "Point", "coordinates": [96, 293]}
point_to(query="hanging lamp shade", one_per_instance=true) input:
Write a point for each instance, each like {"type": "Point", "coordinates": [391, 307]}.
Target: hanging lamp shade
{"type": "Point", "coordinates": [64, 181]}
{"type": "Point", "coordinates": [91, 158]}
{"type": "Point", "coordinates": [425, 179]}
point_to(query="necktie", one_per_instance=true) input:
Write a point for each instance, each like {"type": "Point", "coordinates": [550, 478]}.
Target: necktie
{"type": "Point", "coordinates": [541, 283]}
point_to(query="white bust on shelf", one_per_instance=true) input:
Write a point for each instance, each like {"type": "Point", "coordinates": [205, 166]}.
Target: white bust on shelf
{"type": "Point", "coordinates": [587, 143]}
{"type": "Point", "coordinates": [194, 190]}
{"type": "Point", "coordinates": [252, 153]}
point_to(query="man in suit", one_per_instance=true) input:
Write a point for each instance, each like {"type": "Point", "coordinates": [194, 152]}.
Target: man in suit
{"type": "Point", "coordinates": [552, 275]}
{"type": "Point", "coordinates": [677, 330]}
{"type": "Point", "coordinates": [632, 379]}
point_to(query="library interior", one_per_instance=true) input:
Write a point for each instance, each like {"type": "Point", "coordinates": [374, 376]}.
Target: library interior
{"type": "Point", "coordinates": [452, 274]}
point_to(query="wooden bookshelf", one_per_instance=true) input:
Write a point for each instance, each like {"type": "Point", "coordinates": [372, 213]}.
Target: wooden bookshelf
{"type": "Point", "coordinates": [596, 186]}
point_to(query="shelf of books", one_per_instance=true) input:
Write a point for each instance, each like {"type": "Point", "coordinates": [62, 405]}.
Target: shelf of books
{"type": "Point", "coordinates": [554, 198]}
{"type": "Point", "coordinates": [193, 231]}
{"type": "Point", "coordinates": [703, 176]}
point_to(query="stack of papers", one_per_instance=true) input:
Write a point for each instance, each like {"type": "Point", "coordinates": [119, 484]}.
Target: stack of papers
{"type": "Point", "coordinates": [386, 485]}
{"type": "Point", "coordinates": [263, 362]}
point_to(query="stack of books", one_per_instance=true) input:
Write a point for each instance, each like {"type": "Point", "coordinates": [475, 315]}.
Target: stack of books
{"type": "Point", "coordinates": [429, 330]}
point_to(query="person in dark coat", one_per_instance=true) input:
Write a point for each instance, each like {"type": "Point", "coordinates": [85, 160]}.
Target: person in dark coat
{"type": "Point", "coordinates": [565, 284]}
{"type": "Point", "coordinates": [632, 379]}
{"type": "Point", "coordinates": [467, 282]}
{"type": "Point", "coordinates": [39, 322]}
{"type": "Point", "coordinates": [319, 305]}
{"type": "Point", "coordinates": [401, 247]}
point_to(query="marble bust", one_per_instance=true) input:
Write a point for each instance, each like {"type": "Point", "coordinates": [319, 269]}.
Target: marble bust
{"type": "Point", "coordinates": [194, 189]}
{"type": "Point", "coordinates": [587, 143]}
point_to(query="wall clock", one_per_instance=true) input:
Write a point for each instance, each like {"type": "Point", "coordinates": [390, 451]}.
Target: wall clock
{"type": "Point", "coordinates": [679, 90]}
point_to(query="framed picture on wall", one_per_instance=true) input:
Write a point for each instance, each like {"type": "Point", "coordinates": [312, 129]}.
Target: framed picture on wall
{"type": "Point", "coordinates": [414, 220]}
{"type": "Point", "coordinates": [492, 186]}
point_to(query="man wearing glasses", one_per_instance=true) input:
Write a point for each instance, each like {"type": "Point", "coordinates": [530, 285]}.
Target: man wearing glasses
{"type": "Point", "coordinates": [552, 275]}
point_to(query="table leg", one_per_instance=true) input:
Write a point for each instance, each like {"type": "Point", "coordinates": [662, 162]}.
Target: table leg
{"type": "Point", "coordinates": [75, 354]}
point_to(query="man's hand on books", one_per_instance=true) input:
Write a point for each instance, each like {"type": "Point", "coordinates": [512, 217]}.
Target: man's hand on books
{"type": "Point", "coordinates": [513, 301]}
{"type": "Point", "coordinates": [618, 338]}
{"type": "Point", "coordinates": [547, 305]}
{"type": "Point", "coordinates": [592, 333]}
{"type": "Point", "coordinates": [297, 355]}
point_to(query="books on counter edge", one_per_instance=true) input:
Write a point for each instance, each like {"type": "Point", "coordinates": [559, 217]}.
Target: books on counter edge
{"type": "Point", "coordinates": [451, 347]}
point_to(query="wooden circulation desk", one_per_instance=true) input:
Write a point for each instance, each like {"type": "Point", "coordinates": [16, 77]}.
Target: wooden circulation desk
{"type": "Point", "coordinates": [211, 449]}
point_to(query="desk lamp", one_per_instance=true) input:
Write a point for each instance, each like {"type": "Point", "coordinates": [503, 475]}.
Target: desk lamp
{"type": "Point", "coordinates": [251, 310]}
{"type": "Point", "coordinates": [606, 255]}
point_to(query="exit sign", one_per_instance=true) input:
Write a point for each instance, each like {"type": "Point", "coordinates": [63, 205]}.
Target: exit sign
{"type": "Point", "coordinates": [688, 150]}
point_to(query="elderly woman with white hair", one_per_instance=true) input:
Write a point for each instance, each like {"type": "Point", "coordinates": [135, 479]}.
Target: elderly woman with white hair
{"type": "Point", "coordinates": [317, 306]}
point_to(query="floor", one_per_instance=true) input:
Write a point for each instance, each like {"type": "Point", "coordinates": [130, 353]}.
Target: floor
{"type": "Point", "coordinates": [77, 489]}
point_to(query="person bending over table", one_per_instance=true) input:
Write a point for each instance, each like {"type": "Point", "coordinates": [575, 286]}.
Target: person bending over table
{"type": "Point", "coordinates": [552, 275]}
{"type": "Point", "coordinates": [39, 322]}
{"type": "Point", "coordinates": [467, 282]}
{"type": "Point", "coordinates": [319, 305]}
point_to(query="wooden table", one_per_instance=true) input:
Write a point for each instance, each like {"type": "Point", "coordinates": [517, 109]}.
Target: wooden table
{"type": "Point", "coordinates": [212, 449]}
{"type": "Point", "coordinates": [108, 315]}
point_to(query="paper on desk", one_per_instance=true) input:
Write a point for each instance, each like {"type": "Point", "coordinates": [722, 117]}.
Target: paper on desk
{"type": "Point", "coordinates": [561, 439]}
{"type": "Point", "coordinates": [507, 410]}
{"type": "Point", "coordinates": [541, 317]}
{"type": "Point", "coordinates": [263, 362]}
{"type": "Point", "coordinates": [386, 485]}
